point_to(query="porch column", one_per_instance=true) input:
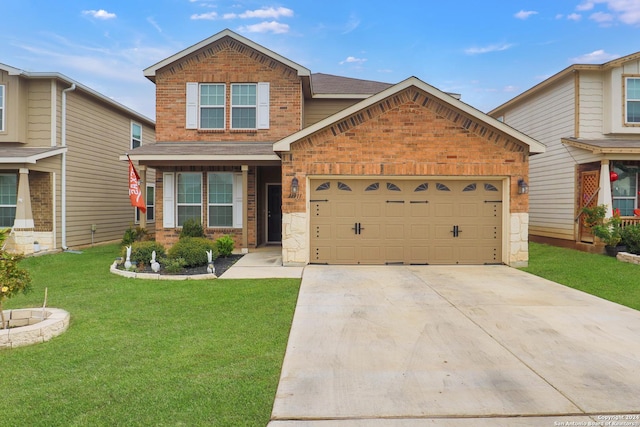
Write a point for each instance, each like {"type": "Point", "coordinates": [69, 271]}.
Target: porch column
{"type": "Point", "coordinates": [24, 215]}
{"type": "Point", "coordinates": [245, 209]}
{"type": "Point", "coordinates": [143, 187]}
{"type": "Point", "coordinates": [604, 195]}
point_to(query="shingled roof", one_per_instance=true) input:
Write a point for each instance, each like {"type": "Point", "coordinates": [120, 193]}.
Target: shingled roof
{"type": "Point", "coordinates": [336, 85]}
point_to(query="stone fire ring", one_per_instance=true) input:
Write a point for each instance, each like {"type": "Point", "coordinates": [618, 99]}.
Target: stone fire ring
{"type": "Point", "coordinates": [28, 326]}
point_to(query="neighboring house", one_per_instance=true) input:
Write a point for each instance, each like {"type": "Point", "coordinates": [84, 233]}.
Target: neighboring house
{"type": "Point", "coordinates": [336, 170]}
{"type": "Point", "coordinates": [588, 116]}
{"type": "Point", "coordinates": [61, 183]}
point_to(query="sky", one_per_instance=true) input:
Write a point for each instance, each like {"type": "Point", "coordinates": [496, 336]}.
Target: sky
{"type": "Point", "coordinates": [486, 50]}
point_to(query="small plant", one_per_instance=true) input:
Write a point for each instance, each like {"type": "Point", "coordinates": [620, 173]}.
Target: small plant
{"type": "Point", "coordinates": [192, 228]}
{"type": "Point", "coordinates": [631, 238]}
{"type": "Point", "coordinates": [193, 250]}
{"type": "Point", "coordinates": [173, 265]}
{"type": "Point", "coordinates": [592, 216]}
{"type": "Point", "coordinates": [225, 245]}
{"type": "Point", "coordinates": [609, 231]}
{"type": "Point", "coordinates": [131, 235]}
{"type": "Point", "coordinates": [13, 279]}
{"type": "Point", "coordinates": [141, 252]}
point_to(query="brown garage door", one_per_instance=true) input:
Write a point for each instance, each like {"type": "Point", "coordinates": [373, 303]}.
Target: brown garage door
{"type": "Point", "coordinates": [384, 221]}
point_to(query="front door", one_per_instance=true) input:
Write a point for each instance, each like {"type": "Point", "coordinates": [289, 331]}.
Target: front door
{"type": "Point", "coordinates": [274, 213]}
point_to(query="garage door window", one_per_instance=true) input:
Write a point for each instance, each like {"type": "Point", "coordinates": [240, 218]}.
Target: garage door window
{"type": "Point", "coordinates": [392, 187]}
{"type": "Point", "coordinates": [324, 186]}
{"type": "Point", "coordinates": [422, 187]}
{"type": "Point", "coordinates": [344, 187]}
{"type": "Point", "coordinates": [442, 187]}
{"type": "Point", "coordinates": [373, 187]}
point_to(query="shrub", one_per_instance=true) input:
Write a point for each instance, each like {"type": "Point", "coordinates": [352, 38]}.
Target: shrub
{"type": "Point", "coordinates": [610, 231]}
{"type": "Point", "coordinates": [13, 279]}
{"type": "Point", "coordinates": [592, 216]}
{"type": "Point", "coordinates": [131, 235]}
{"type": "Point", "coordinates": [225, 245]}
{"type": "Point", "coordinates": [193, 250]}
{"type": "Point", "coordinates": [192, 228]}
{"type": "Point", "coordinates": [173, 265]}
{"type": "Point", "coordinates": [631, 238]}
{"type": "Point", "coordinates": [141, 252]}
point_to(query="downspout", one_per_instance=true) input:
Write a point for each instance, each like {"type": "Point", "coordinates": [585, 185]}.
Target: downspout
{"type": "Point", "coordinates": [63, 180]}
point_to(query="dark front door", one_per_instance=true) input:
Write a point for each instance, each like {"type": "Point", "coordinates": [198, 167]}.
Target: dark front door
{"type": "Point", "coordinates": [274, 213]}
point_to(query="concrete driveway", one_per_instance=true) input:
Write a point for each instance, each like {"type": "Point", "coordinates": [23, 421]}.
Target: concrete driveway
{"type": "Point", "coordinates": [455, 346]}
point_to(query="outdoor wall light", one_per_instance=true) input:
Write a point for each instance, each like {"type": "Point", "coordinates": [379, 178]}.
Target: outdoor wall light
{"type": "Point", "coordinates": [523, 187]}
{"type": "Point", "coordinates": [294, 187]}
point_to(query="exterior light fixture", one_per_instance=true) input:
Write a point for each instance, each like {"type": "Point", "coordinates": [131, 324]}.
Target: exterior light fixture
{"type": "Point", "coordinates": [523, 187]}
{"type": "Point", "coordinates": [294, 187]}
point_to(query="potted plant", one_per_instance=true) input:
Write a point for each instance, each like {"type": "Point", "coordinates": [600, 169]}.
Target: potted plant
{"type": "Point", "coordinates": [610, 232]}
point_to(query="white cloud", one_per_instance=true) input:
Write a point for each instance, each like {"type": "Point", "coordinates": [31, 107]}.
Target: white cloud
{"type": "Point", "coordinates": [229, 16]}
{"type": "Point", "coordinates": [587, 5]}
{"type": "Point", "coordinates": [209, 16]}
{"type": "Point", "coordinates": [99, 14]}
{"type": "Point", "coordinates": [595, 57]}
{"type": "Point", "coordinates": [488, 49]}
{"type": "Point", "coordinates": [625, 11]}
{"type": "Point", "coordinates": [265, 13]}
{"type": "Point", "coordinates": [525, 14]}
{"type": "Point", "coordinates": [601, 17]}
{"type": "Point", "coordinates": [353, 60]}
{"type": "Point", "coordinates": [510, 89]}
{"type": "Point", "coordinates": [266, 27]}
{"type": "Point", "coordinates": [574, 17]}
{"type": "Point", "coordinates": [154, 24]}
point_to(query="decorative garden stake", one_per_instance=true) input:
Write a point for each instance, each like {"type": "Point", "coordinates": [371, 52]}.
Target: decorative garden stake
{"type": "Point", "coordinates": [127, 263]}
{"type": "Point", "coordinates": [155, 265]}
{"type": "Point", "coordinates": [210, 268]}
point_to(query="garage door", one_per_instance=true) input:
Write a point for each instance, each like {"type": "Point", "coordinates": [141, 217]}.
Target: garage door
{"type": "Point", "coordinates": [386, 221]}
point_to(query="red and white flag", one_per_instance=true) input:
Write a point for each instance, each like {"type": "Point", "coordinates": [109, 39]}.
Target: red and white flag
{"type": "Point", "coordinates": [134, 189]}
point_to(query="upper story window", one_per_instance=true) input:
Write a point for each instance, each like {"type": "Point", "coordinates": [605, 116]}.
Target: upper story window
{"type": "Point", "coordinates": [212, 106]}
{"type": "Point", "coordinates": [209, 106]}
{"type": "Point", "coordinates": [1, 108]}
{"type": "Point", "coordinates": [632, 99]}
{"type": "Point", "coordinates": [136, 135]}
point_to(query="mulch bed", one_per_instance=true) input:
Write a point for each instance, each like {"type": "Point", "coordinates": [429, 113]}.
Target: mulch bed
{"type": "Point", "coordinates": [221, 264]}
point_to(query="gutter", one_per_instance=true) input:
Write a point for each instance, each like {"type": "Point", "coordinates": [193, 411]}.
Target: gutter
{"type": "Point", "coordinates": [63, 143]}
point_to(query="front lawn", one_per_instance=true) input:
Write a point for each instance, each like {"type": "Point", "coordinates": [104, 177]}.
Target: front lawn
{"type": "Point", "coordinates": [146, 352]}
{"type": "Point", "coordinates": [599, 275]}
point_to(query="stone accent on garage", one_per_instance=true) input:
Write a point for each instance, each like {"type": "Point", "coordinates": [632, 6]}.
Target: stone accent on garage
{"type": "Point", "coordinates": [295, 241]}
{"type": "Point", "coordinates": [519, 240]}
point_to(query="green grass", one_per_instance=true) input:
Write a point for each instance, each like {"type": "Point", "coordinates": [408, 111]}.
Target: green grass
{"type": "Point", "coordinates": [145, 352]}
{"type": "Point", "coordinates": [599, 275]}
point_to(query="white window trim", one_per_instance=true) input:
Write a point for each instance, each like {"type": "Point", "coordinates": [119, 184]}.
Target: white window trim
{"type": "Point", "coordinates": [132, 137]}
{"type": "Point", "coordinates": [3, 115]}
{"type": "Point", "coordinates": [236, 202]}
{"type": "Point", "coordinates": [150, 202]}
{"type": "Point", "coordinates": [232, 106]}
{"type": "Point", "coordinates": [627, 99]}
{"type": "Point", "coordinates": [192, 119]}
{"type": "Point", "coordinates": [178, 204]}
{"type": "Point", "coordinates": [13, 205]}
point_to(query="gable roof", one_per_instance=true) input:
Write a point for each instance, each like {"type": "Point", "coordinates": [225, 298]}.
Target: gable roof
{"type": "Point", "coordinates": [12, 71]}
{"type": "Point", "coordinates": [562, 74]}
{"type": "Point", "coordinates": [150, 72]}
{"type": "Point", "coordinates": [534, 146]}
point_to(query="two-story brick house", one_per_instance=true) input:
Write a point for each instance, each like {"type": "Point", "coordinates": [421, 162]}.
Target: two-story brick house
{"type": "Point", "coordinates": [336, 170]}
{"type": "Point", "coordinates": [588, 116]}
{"type": "Point", "coordinates": [61, 183]}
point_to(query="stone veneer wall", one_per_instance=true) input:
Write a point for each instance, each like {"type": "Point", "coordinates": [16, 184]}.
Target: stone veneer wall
{"type": "Point", "coordinates": [519, 240]}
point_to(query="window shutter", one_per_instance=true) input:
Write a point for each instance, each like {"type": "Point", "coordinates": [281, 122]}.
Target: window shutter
{"type": "Point", "coordinates": [168, 200]}
{"type": "Point", "coordinates": [192, 106]}
{"type": "Point", "coordinates": [237, 200]}
{"type": "Point", "coordinates": [263, 105]}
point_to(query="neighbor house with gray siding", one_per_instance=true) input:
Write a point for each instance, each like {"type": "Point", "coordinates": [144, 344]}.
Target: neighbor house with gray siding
{"type": "Point", "coordinates": [61, 183]}
{"type": "Point", "coordinates": [588, 116]}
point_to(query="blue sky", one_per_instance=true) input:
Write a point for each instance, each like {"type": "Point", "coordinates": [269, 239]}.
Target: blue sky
{"type": "Point", "coordinates": [487, 50]}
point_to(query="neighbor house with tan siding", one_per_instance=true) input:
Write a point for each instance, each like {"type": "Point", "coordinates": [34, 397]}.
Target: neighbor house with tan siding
{"type": "Point", "coordinates": [588, 116]}
{"type": "Point", "coordinates": [61, 183]}
{"type": "Point", "coordinates": [336, 170]}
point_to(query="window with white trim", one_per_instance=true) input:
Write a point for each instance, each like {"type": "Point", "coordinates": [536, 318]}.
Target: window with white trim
{"type": "Point", "coordinates": [632, 100]}
{"type": "Point", "coordinates": [188, 197]}
{"type": "Point", "coordinates": [212, 106]}
{"type": "Point", "coordinates": [2, 96]}
{"type": "Point", "coordinates": [151, 204]}
{"type": "Point", "coordinates": [8, 199]}
{"type": "Point", "coordinates": [207, 106]}
{"type": "Point", "coordinates": [625, 192]}
{"type": "Point", "coordinates": [221, 199]}
{"type": "Point", "coordinates": [136, 135]}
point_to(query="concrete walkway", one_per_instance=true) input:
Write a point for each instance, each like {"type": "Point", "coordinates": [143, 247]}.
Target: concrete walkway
{"type": "Point", "coordinates": [262, 263]}
{"type": "Point", "coordinates": [453, 346]}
